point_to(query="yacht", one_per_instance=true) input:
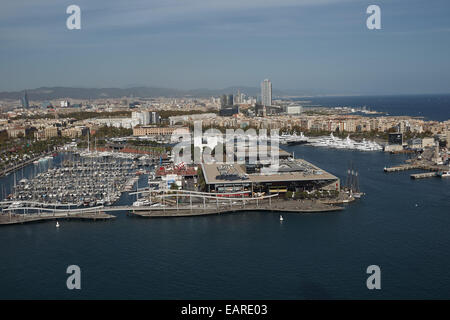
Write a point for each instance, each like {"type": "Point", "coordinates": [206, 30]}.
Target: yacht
{"type": "Point", "coordinates": [444, 174]}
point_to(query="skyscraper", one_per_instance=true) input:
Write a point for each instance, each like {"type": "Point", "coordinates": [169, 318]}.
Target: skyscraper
{"type": "Point", "coordinates": [230, 101]}
{"type": "Point", "coordinates": [25, 103]}
{"type": "Point", "coordinates": [266, 93]}
{"type": "Point", "coordinates": [223, 101]}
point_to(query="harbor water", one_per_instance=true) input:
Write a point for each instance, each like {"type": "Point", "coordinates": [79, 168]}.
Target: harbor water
{"type": "Point", "coordinates": [401, 225]}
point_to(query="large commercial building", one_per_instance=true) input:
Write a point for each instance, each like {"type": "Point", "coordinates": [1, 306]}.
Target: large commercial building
{"type": "Point", "coordinates": [75, 132]}
{"type": "Point", "coordinates": [155, 118]}
{"type": "Point", "coordinates": [395, 138]}
{"type": "Point", "coordinates": [291, 175]}
{"type": "Point", "coordinates": [266, 93]}
{"type": "Point", "coordinates": [230, 100]}
{"type": "Point", "coordinates": [293, 109]}
{"type": "Point", "coordinates": [229, 111]}
{"type": "Point", "coordinates": [158, 131]}
{"type": "Point", "coordinates": [141, 118]}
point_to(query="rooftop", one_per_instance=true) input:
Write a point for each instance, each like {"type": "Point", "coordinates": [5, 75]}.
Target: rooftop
{"type": "Point", "coordinates": [288, 170]}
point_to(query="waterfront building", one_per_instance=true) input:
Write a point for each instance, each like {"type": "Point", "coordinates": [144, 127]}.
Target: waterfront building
{"type": "Point", "coordinates": [266, 93]}
{"type": "Point", "coordinates": [75, 132]}
{"type": "Point", "coordinates": [395, 138]}
{"type": "Point", "coordinates": [179, 174]}
{"type": "Point", "coordinates": [292, 175]}
{"type": "Point", "coordinates": [158, 131]}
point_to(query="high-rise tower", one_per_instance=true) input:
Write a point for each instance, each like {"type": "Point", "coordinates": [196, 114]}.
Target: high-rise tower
{"type": "Point", "coordinates": [266, 93]}
{"type": "Point", "coordinates": [24, 100]}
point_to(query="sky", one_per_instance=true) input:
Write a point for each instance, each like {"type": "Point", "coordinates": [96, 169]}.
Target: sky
{"type": "Point", "coordinates": [316, 46]}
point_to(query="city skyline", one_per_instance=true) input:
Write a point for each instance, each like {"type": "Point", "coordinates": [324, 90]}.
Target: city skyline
{"type": "Point", "coordinates": [317, 47]}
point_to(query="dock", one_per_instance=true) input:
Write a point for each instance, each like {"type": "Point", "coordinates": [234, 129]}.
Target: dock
{"type": "Point", "coordinates": [415, 166]}
{"type": "Point", "coordinates": [14, 218]}
{"type": "Point", "coordinates": [281, 206]}
{"type": "Point", "coordinates": [29, 211]}
{"type": "Point", "coordinates": [402, 168]}
{"type": "Point", "coordinates": [20, 165]}
{"type": "Point", "coordinates": [423, 175]}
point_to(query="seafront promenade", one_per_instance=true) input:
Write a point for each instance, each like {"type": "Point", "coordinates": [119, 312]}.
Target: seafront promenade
{"type": "Point", "coordinates": [281, 206]}
{"type": "Point", "coordinates": [15, 218]}
{"type": "Point", "coordinates": [11, 216]}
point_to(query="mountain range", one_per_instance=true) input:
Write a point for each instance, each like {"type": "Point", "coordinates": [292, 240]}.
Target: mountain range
{"type": "Point", "coordinates": [48, 93]}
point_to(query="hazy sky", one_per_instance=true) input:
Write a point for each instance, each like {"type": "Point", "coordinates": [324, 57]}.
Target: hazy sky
{"type": "Point", "coordinates": [312, 45]}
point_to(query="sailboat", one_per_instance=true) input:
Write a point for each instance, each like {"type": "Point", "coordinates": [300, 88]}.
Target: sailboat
{"type": "Point", "coordinates": [352, 183]}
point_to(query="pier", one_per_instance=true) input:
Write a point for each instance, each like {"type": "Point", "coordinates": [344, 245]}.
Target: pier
{"type": "Point", "coordinates": [29, 213]}
{"type": "Point", "coordinates": [168, 205]}
{"type": "Point", "coordinates": [415, 166]}
{"type": "Point", "coordinates": [216, 203]}
{"type": "Point", "coordinates": [281, 206]}
{"type": "Point", "coordinates": [402, 168]}
{"type": "Point", "coordinates": [20, 165]}
{"type": "Point", "coordinates": [423, 175]}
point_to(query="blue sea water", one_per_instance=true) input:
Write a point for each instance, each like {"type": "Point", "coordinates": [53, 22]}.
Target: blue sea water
{"type": "Point", "coordinates": [401, 225]}
{"type": "Point", "coordinates": [431, 107]}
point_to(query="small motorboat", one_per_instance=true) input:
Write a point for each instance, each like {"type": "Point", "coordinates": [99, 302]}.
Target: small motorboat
{"type": "Point", "coordinates": [281, 218]}
{"type": "Point", "coordinates": [57, 224]}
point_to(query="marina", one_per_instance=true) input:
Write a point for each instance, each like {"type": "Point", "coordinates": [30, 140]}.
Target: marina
{"type": "Point", "coordinates": [424, 175]}
{"type": "Point", "coordinates": [330, 142]}
{"type": "Point", "coordinates": [78, 181]}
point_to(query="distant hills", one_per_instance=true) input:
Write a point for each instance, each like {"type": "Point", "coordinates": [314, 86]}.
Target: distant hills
{"type": "Point", "coordinates": [49, 93]}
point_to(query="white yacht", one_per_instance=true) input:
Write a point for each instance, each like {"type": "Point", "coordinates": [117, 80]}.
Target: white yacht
{"type": "Point", "coordinates": [444, 174]}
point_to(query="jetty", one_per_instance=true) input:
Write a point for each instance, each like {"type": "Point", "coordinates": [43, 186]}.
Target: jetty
{"type": "Point", "coordinates": [21, 165]}
{"type": "Point", "coordinates": [292, 206]}
{"type": "Point", "coordinates": [402, 168]}
{"type": "Point", "coordinates": [201, 203]}
{"type": "Point", "coordinates": [424, 175]}
{"type": "Point", "coordinates": [21, 218]}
